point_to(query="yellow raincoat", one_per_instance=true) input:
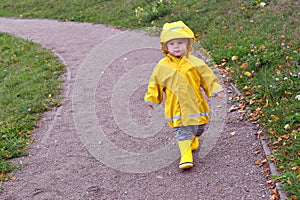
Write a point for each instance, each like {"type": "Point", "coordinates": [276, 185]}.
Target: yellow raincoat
{"type": "Point", "coordinates": [181, 79]}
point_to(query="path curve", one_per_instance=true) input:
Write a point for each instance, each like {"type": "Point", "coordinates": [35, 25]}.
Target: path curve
{"type": "Point", "coordinates": [61, 167]}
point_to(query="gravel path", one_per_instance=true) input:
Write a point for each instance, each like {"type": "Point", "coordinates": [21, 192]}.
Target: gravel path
{"type": "Point", "coordinates": [87, 151]}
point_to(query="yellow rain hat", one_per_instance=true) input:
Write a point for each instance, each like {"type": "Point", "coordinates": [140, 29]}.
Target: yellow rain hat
{"type": "Point", "coordinates": [176, 30]}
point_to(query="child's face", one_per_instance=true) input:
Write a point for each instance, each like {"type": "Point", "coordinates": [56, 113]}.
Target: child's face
{"type": "Point", "coordinates": [177, 47]}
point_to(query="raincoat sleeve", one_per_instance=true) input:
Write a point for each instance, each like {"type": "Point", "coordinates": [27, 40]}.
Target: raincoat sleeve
{"type": "Point", "coordinates": [154, 95]}
{"type": "Point", "coordinates": [209, 81]}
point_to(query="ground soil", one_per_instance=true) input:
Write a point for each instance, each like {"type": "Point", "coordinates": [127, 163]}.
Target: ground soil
{"type": "Point", "coordinates": [60, 167]}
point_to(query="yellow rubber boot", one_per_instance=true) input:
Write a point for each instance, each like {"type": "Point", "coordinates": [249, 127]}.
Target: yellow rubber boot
{"type": "Point", "coordinates": [186, 161]}
{"type": "Point", "coordinates": [195, 143]}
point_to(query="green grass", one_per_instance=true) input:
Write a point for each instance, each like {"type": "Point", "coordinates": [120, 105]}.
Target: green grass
{"type": "Point", "coordinates": [29, 85]}
{"type": "Point", "coordinates": [261, 36]}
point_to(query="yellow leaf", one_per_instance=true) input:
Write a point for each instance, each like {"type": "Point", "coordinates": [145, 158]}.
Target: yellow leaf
{"type": "Point", "coordinates": [262, 4]}
{"type": "Point", "coordinates": [271, 131]}
{"type": "Point", "coordinates": [234, 58]}
{"type": "Point", "coordinates": [281, 167]}
{"type": "Point", "coordinates": [258, 162]}
{"type": "Point", "coordinates": [287, 127]}
{"type": "Point", "coordinates": [246, 88]}
{"type": "Point", "coordinates": [247, 74]}
{"type": "Point", "coordinates": [275, 118]}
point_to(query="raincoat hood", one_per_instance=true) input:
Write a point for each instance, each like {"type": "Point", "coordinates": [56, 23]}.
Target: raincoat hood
{"type": "Point", "coordinates": [176, 30]}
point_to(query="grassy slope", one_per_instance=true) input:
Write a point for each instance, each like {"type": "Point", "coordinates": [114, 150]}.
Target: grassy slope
{"type": "Point", "coordinates": [29, 85]}
{"type": "Point", "coordinates": [264, 39]}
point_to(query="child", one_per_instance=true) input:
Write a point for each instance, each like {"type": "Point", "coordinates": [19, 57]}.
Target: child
{"type": "Point", "coordinates": [178, 77]}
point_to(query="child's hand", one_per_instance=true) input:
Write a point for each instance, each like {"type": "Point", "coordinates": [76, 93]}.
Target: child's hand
{"type": "Point", "coordinates": [150, 107]}
{"type": "Point", "coordinates": [220, 96]}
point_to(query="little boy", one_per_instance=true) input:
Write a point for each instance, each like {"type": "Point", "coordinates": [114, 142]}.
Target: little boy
{"type": "Point", "coordinates": [179, 77]}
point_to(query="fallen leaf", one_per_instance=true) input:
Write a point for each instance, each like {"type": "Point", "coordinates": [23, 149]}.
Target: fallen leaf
{"type": "Point", "coordinates": [265, 169]}
{"type": "Point", "coordinates": [287, 127]}
{"type": "Point", "coordinates": [258, 162]}
{"type": "Point", "coordinates": [272, 158]}
{"type": "Point", "coordinates": [243, 66]}
{"type": "Point", "coordinates": [7, 156]}
{"type": "Point", "coordinates": [294, 197]}
{"type": "Point", "coordinates": [248, 94]}
{"type": "Point", "coordinates": [254, 116]}
{"type": "Point", "coordinates": [296, 168]}
{"type": "Point", "coordinates": [247, 74]}
{"type": "Point", "coordinates": [234, 58]}
{"type": "Point", "coordinates": [286, 152]}
{"type": "Point", "coordinates": [252, 101]}
{"type": "Point", "coordinates": [242, 105]}
{"type": "Point", "coordinates": [259, 133]}
{"type": "Point", "coordinates": [257, 152]}
{"type": "Point", "coordinates": [271, 186]}
{"type": "Point", "coordinates": [219, 190]}
{"type": "Point", "coordinates": [258, 109]}
{"type": "Point", "coordinates": [271, 131]}
{"type": "Point", "coordinates": [233, 108]}
{"type": "Point", "coordinates": [275, 195]}
{"type": "Point", "coordinates": [275, 118]}
{"type": "Point", "coordinates": [282, 37]}
{"type": "Point", "coordinates": [233, 133]}
{"type": "Point", "coordinates": [285, 136]}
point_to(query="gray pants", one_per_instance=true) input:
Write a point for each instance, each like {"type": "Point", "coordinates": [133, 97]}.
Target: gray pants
{"type": "Point", "coordinates": [187, 132]}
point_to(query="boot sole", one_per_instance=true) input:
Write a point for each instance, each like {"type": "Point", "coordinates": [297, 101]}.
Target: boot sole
{"type": "Point", "coordinates": [186, 165]}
